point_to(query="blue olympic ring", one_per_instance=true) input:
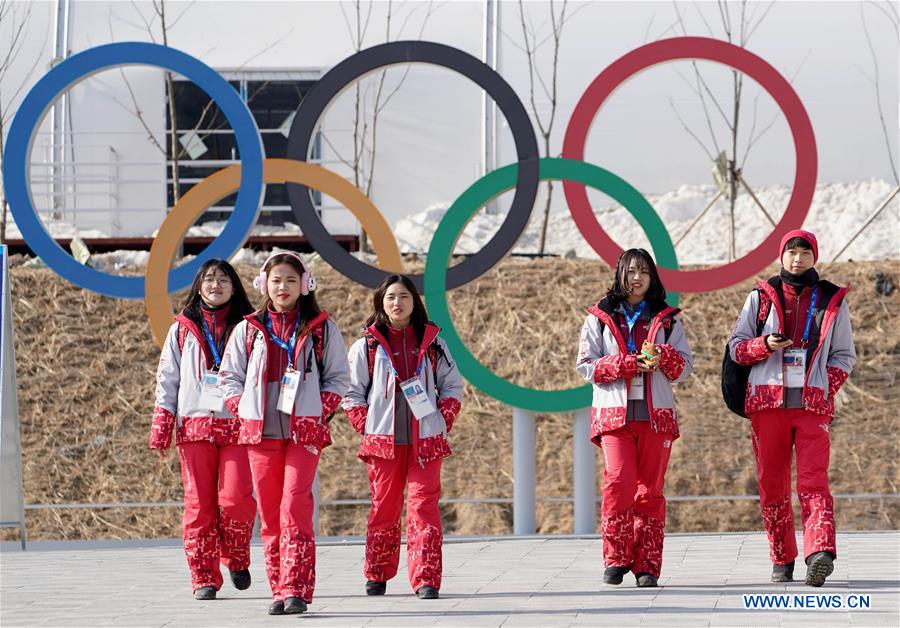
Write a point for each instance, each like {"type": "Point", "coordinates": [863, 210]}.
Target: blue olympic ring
{"type": "Point", "coordinates": [77, 67]}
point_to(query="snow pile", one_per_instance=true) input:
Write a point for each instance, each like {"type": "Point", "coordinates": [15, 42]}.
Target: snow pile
{"type": "Point", "coordinates": [838, 211]}
{"type": "Point", "coordinates": [58, 229]}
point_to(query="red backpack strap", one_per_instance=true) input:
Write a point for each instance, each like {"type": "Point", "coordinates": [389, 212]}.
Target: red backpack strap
{"type": "Point", "coordinates": [371, 349]}
{"type": "Point", "coordinates": [182, 336]}
{"type": "Point", "coordinates": [251, 338]}
{"type": "Point", "coordinates": [765, 304]}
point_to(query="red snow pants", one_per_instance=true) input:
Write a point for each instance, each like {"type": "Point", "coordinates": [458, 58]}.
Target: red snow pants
{"type": "Point", "coordinates": [633, 511]}
{"type": "Point", "coordinates": [218, 510]}
{"type": "Point", "coordinates": [424, 536]}
{"type": "Point", "coordinates": [775, 434]}
{"type": "Point", "coordinates": [283, 475]}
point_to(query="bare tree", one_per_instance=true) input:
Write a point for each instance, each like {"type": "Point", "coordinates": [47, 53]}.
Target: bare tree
{"type": "Point", "coordinates": [16, 16]}
{"type": "Point", "coordinates": [371, 97]}
{"type": "Point", "coordinates": [158, 28]}
{"type": "Point", "coordinates": [738, 30]}
{"type": "Point", "coordinates": [890, 13]}
{"type": "Point", "coordinates": [545, 127]}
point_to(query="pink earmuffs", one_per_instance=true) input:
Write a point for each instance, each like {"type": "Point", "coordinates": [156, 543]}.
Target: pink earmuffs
{"type": "Point", "coordinates": [307, 281]}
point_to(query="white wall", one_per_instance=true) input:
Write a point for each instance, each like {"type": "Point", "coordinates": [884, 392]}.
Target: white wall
{"type": "Point", "coordinates": [429, 136]}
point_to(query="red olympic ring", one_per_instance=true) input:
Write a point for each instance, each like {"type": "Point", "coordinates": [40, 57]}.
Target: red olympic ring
{"type": "Point", "coordinates": [740, 59]}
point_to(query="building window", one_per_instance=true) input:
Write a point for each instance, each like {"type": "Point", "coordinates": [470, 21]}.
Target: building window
{"type": "Point", "coordinates": [207, 143]}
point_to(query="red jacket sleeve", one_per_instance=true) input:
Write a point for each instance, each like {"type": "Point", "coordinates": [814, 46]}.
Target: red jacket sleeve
{"type": "Point", "coordinates": [671, 363]}
{"type": "Point", "coordinates": [357, 416]}
{"type": "Point", "coordinates": [836, 379]}
{"type": "Point", "coordinates": [613, 367]}
{"type": "Point", "coordinates": [161, 429]}
{"type": "Point", "coordinates": [449, 408]}
{"type": "Point", "coordinates": [749, 352]}
{"type": "Point", "coordinates": [330, 402]}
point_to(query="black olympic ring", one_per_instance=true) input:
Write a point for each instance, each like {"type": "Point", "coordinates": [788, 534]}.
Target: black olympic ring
{"type": "Point", "coordinates": [354, 67]}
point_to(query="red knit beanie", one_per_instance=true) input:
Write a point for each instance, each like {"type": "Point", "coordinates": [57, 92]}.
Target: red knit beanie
{"type": "Point", "coordinates": [809, 236]}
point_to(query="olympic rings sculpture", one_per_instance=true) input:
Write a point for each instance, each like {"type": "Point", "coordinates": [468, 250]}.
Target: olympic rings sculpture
{"type": "Point", "coordinates": [250, 176]}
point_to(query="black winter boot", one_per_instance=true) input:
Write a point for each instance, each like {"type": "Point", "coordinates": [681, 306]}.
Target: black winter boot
{"type": "Point", "coordinates": [205, 593]}
{"type": "Point", "coordinates": [645, 580]}
{"type": "Point", "coordinates": [373, 587]}
{"type": "Point", "coordinates": [276, 607]}
{"type": "Point", "coordinates": [783, 573]}
{"type": "Point", "coordinates": [818, 567]}
{"type": "Point", "coordinates": [614, 575]}
{"type": "Point", "coordinates": [427, 593]}
{"type": "Point", "coordinates": [240, 579]}
{"type": "Point", "coordinates": [294, 606]}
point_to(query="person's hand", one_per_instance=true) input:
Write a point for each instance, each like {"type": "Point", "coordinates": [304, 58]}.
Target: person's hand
{"type": "Point", "coordinates": [646, 365]}
{"type": "Point", "coordinates": [776, 341]}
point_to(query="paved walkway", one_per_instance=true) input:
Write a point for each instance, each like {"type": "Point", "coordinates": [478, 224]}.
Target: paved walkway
{"type": "Point", "coordinates": [512, 581]}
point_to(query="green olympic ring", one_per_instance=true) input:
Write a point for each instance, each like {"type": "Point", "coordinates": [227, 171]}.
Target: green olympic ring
{"type": "Point", "coordinates": [452, 225]}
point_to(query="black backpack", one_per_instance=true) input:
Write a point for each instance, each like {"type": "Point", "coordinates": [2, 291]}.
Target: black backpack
{"type": "Point", "coordinates": [735, 376]}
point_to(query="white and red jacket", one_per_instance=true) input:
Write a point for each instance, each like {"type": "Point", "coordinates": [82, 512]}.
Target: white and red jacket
{"type": "Point", "coordinates": [604, 361]}
{"type": "Point", "coordinates": [829, 361]}
{"type": "Point", "coordinates": [244, 379]}
{"type": "Point", "coordinates": [184, 360]}
{"type": "Point", "coordinates": [370, 401]}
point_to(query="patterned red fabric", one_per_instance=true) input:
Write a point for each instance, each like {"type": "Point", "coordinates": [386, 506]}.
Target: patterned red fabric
{"type": "Point", "coordinates": [817, 514]}
{"type": "Point", "coordinates": [330, 402]}
{"type": "Point", "coordinates": [376, 446]}
{"type": "Point", "coordinates": [617, 529]}
{"type": "Point", "coordinates": [298, 564]}
{"type": "Point", "coordinates": [161, 428]}
{"type": "Point", "coordinates": [283, 475]}
{"type": "Point", "coordinates": [449, 408]}
{"type": "Point", "coordinates": [671, 363]}
{"type": "Point", "coordinates": [605, 420]}
{"type": "Point", "coordinates": [234, 538]}
{"type": "Point", "coordinates": [648, 544]}
{"type": "Point", "coordinates": [251, 432]}
{"type": "Point", "coordinates": [433, 448]}
{"type": "Point", "coordinates": [777, 435]}
{"type": "Point", "coordinates": [836, 379]}
{"type": "Point", "coordinates": [814, 400]}
{"type": "Point", "coordinates": [218, 504]}
{"type": "Point", "coordinates": [310, 430]}
{"type": "Point", "coordinates": [208, 429]}
{"type": "Point", "coordinates": [424, 538]}
{"type": "Point", "coordinates": [612, 367]}
{"type": "Point", "coordinates": [664, 421]}
{"type": "Point", "coordinates": [357, 416]}
{"type": "Point", "coordinates": [424, 542]}
{"type": "Point", "coordinates": [382, 553]}
{"type": "Point", "coordinates": [778, 519]}
{"type": "Point", "coordinates": [273, 566]}
{"type": "Point", "coordinates": [752, 351]}
{"type": "Point", "coordinates": [202, 550]}
{"type": "Point", "coordinates": [232, 405]}
{"type": "Point", "coordinates": [763, 397]}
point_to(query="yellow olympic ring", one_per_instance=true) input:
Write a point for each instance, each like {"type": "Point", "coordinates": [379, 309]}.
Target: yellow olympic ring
{"type": "Point", "coordinates": [226, 181]}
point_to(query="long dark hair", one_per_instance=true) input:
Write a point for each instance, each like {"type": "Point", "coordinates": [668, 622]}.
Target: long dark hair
{"type": "Point", "coordinates": [307, 304]}
{"type": "Point", "coordinates": [240, 304]}
{"type": "Point", "coordinates": [656, 293]}
{"type": "Point", "coordinates": [381, 320]}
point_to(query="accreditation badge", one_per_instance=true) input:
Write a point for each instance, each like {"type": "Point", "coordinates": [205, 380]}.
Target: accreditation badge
{"type": "Point", "coordinates": [794, 368]}
{"type": "Point", "coordinates": [290, 383]}
{"type": "Point", "coordinates": [636, 390]}
{"type": "Point", "coordinates": [417, 398]}
{"type": "Point", "coordinates": [211, 397]}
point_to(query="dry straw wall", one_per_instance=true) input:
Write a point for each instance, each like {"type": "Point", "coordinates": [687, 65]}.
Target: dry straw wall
{"type": "Point", "coordinates": [86, 370]}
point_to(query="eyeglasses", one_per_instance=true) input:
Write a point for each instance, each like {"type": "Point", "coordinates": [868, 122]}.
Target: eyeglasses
{"type": "Point", "coordinates": [211, 281]}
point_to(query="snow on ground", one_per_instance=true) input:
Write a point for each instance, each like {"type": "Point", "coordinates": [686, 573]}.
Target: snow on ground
{"type": "Point", "coordinates": [838, 211]}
